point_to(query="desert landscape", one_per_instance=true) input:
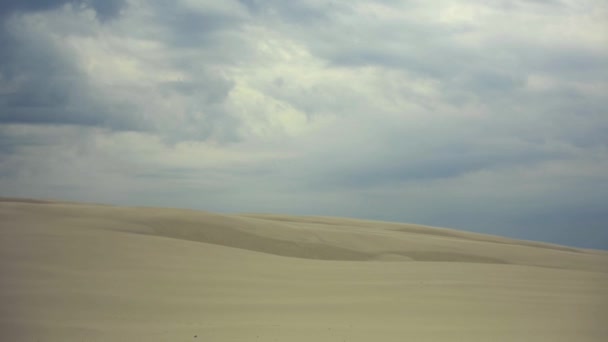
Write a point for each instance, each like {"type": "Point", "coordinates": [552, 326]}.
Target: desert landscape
{"type": "Point", "coordinates": [303, 171]}
{"type": "Point", "coordinates": [84, 272]}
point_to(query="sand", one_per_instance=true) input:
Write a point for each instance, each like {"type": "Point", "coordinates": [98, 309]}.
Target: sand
{"type": "Point", "coordinates": [79, 272]}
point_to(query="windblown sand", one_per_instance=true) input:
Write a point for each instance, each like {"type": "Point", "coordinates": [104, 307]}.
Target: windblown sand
{"type": "Point", "coordinates": [76, 272]}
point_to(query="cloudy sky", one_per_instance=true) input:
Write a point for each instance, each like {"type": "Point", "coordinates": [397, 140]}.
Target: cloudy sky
{"type": "Point", "coordinates": [490, 116]}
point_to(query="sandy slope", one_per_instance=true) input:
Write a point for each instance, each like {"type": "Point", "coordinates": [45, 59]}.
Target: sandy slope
{"type": "Point", "coordinates": [73, 272]}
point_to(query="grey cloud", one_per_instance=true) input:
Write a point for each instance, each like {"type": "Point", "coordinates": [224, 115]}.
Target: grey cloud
{"type": "Point", "coordinates": [562, 114]}
{"type": "Point", "coordinates": [562, 59]}
{"type": "Point", "coordinates": [433, 165]}
{"type": "Point", "coordinates": [206, 114]}
{"type": "Point", "coordinates": [426, 152]}
{"type": "Point", "coordinates": [576, 64]}
{"type": "Point", "coordinates": [191, 29]}
{"type": "Point", "coordinates": [497, 67]}
{"type": "Point", "coordinates": [545, 2]}
{"type": "Point", "coordinates": [252, 5]}
{"type": "Point", "coordinates": [294, 12]}
{"type": "Point", "coordinates": [11, 143]}
{"type": "Point", "coordinates": [210, 88]}
{"type": "Point", "coordinates": [489, 81]}
{"type": "Point", "coordinates": [44, 86]}
{"type": "Point", "coordinates": [105, 9]}
{"type": "Point", "coordinates": [11, 6]}
{"type": "Point", "coordinates": [208, 25]}
{"type": "Point", "coordinates": [41, 82]}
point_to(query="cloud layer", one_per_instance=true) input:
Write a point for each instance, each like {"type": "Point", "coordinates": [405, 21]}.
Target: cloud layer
{"type": "Point", "coordinates": [483, 116]}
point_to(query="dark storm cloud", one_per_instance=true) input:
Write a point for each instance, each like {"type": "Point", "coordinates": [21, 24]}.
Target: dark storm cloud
{"type": "Point", "coordinates": [8, 7]}
{"type": "Point", "coordinates": [105, 9]}
{"type": "Point", "coordinates": [43, 85]}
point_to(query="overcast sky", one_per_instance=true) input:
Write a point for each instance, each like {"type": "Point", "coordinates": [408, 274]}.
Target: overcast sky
{"type": "Point", "coordinates": [490, 116]}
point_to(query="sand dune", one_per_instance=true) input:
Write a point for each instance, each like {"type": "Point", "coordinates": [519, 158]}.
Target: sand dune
{"type": "Point", "coordinates": [80, 272]}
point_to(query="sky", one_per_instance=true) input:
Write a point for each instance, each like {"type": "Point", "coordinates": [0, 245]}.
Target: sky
{"type": "Point", "coordinates": [488, 116]}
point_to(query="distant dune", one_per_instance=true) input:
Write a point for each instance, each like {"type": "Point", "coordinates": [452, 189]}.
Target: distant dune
{"type": "Point", "coordinates": [82, 272]}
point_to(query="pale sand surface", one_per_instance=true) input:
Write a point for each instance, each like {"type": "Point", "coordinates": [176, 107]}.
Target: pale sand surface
{"type": "Point", "coordinates": [76, 272]}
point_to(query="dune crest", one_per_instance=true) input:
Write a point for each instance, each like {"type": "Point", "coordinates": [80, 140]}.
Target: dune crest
{"type": "Point", "coordinates": [324, 238]}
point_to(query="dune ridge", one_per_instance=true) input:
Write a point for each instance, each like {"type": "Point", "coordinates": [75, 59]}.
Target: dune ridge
{"type": "Point", "coordinates": [324, 238]}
